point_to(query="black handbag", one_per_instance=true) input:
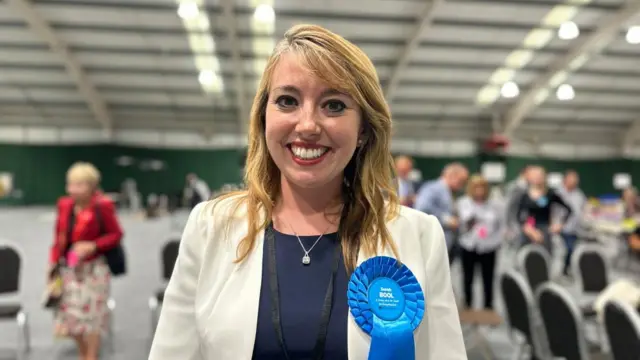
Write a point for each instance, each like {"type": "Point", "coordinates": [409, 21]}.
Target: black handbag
{"type": "Point", "coordinates": [115, 257]}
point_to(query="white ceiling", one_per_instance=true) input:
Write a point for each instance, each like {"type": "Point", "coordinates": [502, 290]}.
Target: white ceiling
{"type": "Point", "coordinates": [134, 57]}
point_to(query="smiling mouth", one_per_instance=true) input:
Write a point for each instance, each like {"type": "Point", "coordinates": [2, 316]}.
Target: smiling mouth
{"type": "Point", "coordinates": [307, 154]}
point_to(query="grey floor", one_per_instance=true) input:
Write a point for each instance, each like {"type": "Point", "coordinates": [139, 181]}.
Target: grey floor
{"type": "Point", "coordinates": [30, 229]}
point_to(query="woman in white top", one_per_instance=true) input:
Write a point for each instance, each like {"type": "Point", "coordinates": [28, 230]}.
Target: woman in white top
{"type": "Point", "coordinates": [253, 266]}
{"type": "Point", "coordinates": [482, 232]}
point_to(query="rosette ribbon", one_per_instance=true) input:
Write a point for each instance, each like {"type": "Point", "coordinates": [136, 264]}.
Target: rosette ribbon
{"type": "Point", "coordinates": [387, 303]}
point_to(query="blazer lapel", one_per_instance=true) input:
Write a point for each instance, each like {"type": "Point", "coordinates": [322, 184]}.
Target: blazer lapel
{"type": "Point", "coordinates": [252, 294]}
{"type": "Point", "coordinates": [238, 308]}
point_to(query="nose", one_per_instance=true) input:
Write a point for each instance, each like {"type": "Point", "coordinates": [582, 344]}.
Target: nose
{"type": "Point", "coordinates": [308, 125]}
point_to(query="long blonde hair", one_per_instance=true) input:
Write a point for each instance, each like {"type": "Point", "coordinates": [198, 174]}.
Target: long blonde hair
{"type": "Point", "coordinates": [369, 195]}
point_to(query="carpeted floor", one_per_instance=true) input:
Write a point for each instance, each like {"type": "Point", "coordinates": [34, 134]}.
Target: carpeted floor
{"type": "Point", "coordinates": [30, 229]}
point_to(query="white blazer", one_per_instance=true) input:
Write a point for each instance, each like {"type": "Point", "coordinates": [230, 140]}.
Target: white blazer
{"type": "Point", "coordinates": [210, 308]}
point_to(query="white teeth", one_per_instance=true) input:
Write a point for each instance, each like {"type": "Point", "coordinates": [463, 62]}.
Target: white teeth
{"type": "Point", "coordinates": [308, 154]}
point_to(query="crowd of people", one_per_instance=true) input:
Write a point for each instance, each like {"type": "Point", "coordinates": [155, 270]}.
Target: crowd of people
{"type": "Point", "coordinates": [477, 223]}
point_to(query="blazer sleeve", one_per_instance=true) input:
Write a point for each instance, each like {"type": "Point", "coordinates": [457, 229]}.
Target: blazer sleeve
{"type": "Point", "coordinates": [445, 341]}
{"type": "Point", "coordinates": [176, 336]}
{"type": "Point", "coordinates": [111, 227]}
{"type": "Point", "coordinates": [56, 248]}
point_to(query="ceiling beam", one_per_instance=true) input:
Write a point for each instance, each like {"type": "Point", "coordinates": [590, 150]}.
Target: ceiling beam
{"type": "Point", "coordinates": [230, 24]}
{"type": "Point", "coordinates": [424, 22]}
{"type": "Point", "coordinates": [43, 30]}
{"type": "Point", "coordinates": [588, 45]}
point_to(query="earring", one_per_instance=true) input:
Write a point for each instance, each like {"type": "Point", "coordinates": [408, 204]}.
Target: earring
{"type": "Point", "coordinates": [360, 142]}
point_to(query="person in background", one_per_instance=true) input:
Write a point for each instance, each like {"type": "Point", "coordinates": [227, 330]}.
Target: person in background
{"type": "Point", "coordinates": [86, 228]}
{"type": "Point", "coordinates": [630, 202]}
{"type": "Point", "coordinates": [196, 190]}
{"type": "Point", "coordinates": [534, 210]}
{"type": "Point", "coordinates": [513, 193]}
{"type": "Point", "coordinates": [481, 233]}
{"type": "Point", "coordinates": [634, 242]}
{"type": "Point", "coordinates": [436, 198]}
{"type": "Point", "coordinates": [631, 206]}
{"type": "Point", "coordinates": [575, 198]}
{"type": "Point", "coordinates": [406, 192]}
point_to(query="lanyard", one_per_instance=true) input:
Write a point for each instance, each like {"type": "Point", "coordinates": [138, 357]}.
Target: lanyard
{"type": "Point", "coordinates": [318, 350]}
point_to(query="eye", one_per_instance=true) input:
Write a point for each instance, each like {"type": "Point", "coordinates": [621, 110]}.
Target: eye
{"type": "Point", "coordinates": [335, 106]}
{"type": "Point", "coordinates": [286, 102]}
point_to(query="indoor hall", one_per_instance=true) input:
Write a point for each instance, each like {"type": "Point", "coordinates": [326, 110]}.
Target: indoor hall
{"type": "Point", "coordinates": [156, 95]}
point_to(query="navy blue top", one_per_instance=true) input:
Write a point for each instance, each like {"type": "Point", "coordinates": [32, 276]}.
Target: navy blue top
{"type": "Point", "coordinates": [302, 293]}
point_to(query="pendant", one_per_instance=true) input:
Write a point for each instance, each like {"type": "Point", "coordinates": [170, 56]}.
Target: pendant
{"type": "Point", "coordinates": [306, 259]}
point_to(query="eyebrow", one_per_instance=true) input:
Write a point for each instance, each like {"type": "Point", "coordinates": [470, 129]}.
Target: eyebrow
{"type": "Point", "coordinates": [295, 90]}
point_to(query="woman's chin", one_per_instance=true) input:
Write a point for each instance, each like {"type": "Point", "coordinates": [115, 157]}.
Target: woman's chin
{"type": "Point", "coordinates": [307, 180]}
{"type": "Point", "coordinates": [307, 183]}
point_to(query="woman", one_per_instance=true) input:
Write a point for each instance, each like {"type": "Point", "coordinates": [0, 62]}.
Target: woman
{"type": "Point", "coordinates": [319, 176]}
{"type": "Point", "coordinates": [86, 227]}
{"type": "Point", "coordinates": [481, 234]}
{"type": "Point", "coordinates": [534, 210]}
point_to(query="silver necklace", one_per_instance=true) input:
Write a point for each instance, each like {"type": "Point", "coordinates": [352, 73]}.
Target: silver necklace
{"type": "Point", "coordinates": [306, 259]}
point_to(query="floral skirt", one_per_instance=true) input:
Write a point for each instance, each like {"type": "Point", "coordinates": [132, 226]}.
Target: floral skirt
{"type": "Point", "coordinates": [83, 306]}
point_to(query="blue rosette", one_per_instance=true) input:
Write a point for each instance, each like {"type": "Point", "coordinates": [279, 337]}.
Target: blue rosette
{"type": "Point", "coordinates": [387, 303]}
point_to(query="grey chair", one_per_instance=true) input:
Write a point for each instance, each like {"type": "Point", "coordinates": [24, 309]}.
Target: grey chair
{"type": "Point", "coordinates": [10, 285]}
{"type": "Point", "coordinates": [564, 324]}
{"type": "Point", "coordinates": [522, 317]}
{"type": "Point", "coordinates": [169, 255]}
{"type": "Point", "coordinates": [591, 269]}
{"type": "Point", "coordinates": [622, 327]}
{"type": "Point", "coordinates": [534, 261]}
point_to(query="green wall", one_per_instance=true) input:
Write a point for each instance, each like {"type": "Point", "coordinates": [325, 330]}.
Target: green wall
{"type": "Point", "coordinates": [39, 171]}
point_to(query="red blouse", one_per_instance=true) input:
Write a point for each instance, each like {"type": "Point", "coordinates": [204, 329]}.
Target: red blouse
{"type": "Point", "coordinates": [87, 226]}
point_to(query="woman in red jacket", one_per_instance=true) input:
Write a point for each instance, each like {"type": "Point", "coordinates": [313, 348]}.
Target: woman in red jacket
{"type": "Point", "coordinates": [86, 227]}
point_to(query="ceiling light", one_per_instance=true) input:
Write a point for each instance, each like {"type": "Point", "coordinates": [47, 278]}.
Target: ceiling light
{"type": "Point", "coordinates": [565, 92]}
{"type": "Point", "coordinates": [509, 90]}
{"type": "Point", "coordinates": [264, 13]}
{"type": "Point", "coordinates": [568, 31]}
{"type": "Point", "coordinates": [487, 95]}
{"type": "Point", "coordinates": [633, 35]}
{"type": "Point", "coordinates": [188, 10]}
{"type": "Point", "coordinates": [207, 77]}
